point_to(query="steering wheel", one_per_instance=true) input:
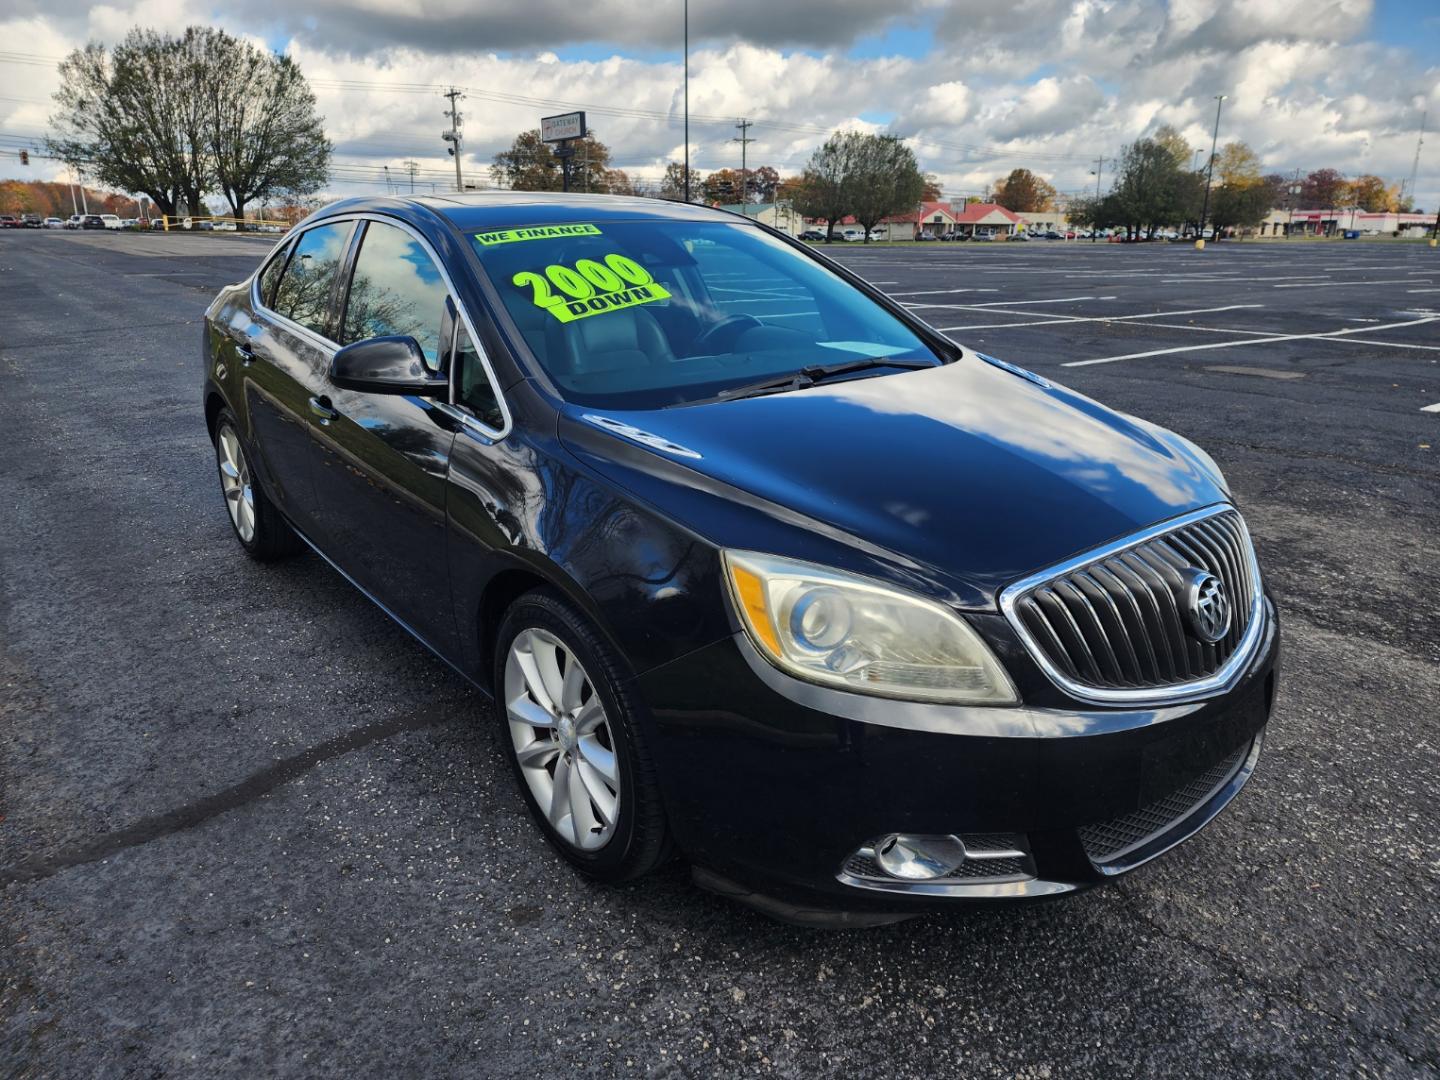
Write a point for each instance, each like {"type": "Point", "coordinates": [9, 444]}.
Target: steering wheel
{"type": "Point", "coordinates": [727, 328]}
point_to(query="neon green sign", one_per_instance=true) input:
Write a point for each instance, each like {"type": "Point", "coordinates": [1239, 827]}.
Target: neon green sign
{"type": "Point", "coordinates": [590, 287]}
{"type": "Point", "coordinates": [537, 232]}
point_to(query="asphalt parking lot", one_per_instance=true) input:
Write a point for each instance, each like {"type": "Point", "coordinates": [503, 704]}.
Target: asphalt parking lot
{"type": "Point", "coordinates": [249, 827]}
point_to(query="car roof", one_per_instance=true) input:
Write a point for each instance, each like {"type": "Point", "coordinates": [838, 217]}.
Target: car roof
{"type": "Point", "coordinates": [480, 210]}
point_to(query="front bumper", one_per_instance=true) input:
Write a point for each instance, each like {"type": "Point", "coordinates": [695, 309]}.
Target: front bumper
{"type": "Point", "coordinates": [773, 785]}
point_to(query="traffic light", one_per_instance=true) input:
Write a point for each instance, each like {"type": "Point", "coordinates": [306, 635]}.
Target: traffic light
{"type": "Point", "coordinates": [24, 157]}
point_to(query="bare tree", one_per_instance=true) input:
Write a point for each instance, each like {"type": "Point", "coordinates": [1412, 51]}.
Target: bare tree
{"type": "Point", "coordinates": [262, 132]}
{"type": "Point", "coordinates": [177, 117]}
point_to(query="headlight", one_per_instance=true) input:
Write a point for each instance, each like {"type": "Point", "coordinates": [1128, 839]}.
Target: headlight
{"type": "Point", "coordinates": [845, 631]}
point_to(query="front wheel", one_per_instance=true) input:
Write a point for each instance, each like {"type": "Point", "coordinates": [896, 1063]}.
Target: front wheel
{"type": "Point", "coordinates": [574, 740]}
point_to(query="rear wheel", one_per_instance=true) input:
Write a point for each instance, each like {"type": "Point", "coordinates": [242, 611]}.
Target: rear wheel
{"type": "Point", "coordinates": [262, 532]}
{"type": "Point", "coordinates": [573, 737]}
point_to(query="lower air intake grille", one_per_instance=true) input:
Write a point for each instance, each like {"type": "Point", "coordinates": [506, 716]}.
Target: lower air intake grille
{"type": "Point", "coordinates": [1106, 841]}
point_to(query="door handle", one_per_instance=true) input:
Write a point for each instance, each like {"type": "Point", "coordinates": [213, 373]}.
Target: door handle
{"type": "Point", "coordinates": [321, 409]}
{"type": "Point", "coordinates": [245, 352]}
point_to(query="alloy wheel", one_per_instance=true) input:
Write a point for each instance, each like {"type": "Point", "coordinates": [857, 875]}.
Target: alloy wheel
{"type": "Point", "coordinates": [562, 739]}
{"type": "Point", "coordinates": [235, 482]}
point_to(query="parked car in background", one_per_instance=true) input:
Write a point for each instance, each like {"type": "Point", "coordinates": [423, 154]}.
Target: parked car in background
{"type": "Point", "coordinates": [75, 221]}
{"type": "Point", "coordinates": [54, 223]}
{"type": "Point", "coordinates": [31, 221]}
{"type": "Point", "coordinates": [223, 226]}
{"type": "Point", "coordinates": [852, 235]}
{"type": "Point", "coordinates": [813, 234]}
{"type": "Point", "coordinates": [112, 221]}
{"type": "Point", "coordinates": [878, 233]}
{"type": "Point", "coordinates": [925, 237]}
{"type": "Point", "coordinates": [92, 221]}
{"type": "Point", "coordinates": [10, 221]}
{"type": "Point", "coordinates": [1021, 235]}
{"type": "Point", "coordinates": [549, 437]}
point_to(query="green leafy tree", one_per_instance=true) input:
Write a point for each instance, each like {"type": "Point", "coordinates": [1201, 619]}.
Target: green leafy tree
{"type": "Point", "coordinates": [882, 178]}
{"type": "Point", "coordinates": [822, 192]}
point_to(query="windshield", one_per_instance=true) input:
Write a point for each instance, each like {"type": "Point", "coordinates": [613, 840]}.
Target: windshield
{"type": "Point", "coordinates": [640, 315]}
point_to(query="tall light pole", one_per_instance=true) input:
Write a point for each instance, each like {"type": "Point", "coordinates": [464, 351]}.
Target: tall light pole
{"type": "Point", "coordinates": [1210, 171]}
{"type": "Point", "coordinates": [687, 100]}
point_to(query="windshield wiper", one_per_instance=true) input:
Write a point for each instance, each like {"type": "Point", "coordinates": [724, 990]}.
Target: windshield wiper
{"type": "Point", "coordinates": [817, 373]}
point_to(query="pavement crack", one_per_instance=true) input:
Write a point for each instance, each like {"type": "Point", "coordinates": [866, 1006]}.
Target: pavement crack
{"type": "Point", "coordinates": [254, 786]}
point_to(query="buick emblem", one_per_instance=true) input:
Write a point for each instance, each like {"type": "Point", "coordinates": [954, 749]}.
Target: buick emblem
{"type": "Point", "coordinates": [1207, 607]}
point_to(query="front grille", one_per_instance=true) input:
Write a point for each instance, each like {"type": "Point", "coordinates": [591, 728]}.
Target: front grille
{"type": "Point", "coordinates": [1118, 622]}
{"type": "Point", "coordinates": [1106, 841]}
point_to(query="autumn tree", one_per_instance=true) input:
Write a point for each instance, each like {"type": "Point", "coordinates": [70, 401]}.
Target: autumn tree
{"type": "Point", "coordinates": [722, 186]}
{"type": "Point", "coordinates": [785, 190]}
{"type": "Point", "coordinates": [932, 191]}
{"type": "Point", "coordinates": [1237, 164]}
{"type": "Point", "coordinates": [1176, 145]}
{"type": "Point", "coordinates": [764, 184]}
{"type": "Point", "coordinates": [531, 164]}
{"type": "Point", "coordinates": [1323, 188]}
{"type": "Point", "coordinates": [617, 182]}
{"type": "Point", "coordinates": [1369, 193]}
{"type": "Point", "coordinates": [673, 184]}
{"type": "Point", "coordinates": [1024, 192]}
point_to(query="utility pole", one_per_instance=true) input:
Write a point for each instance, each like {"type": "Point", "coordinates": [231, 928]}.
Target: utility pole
{"type": "Point", "coordinates": [453, 135]}
{"type": "Point", "coordinates": [1210, 171]}
{"type": "Point", "coordinates": [412, 168]}
{"type": "Point", "coordinates": [389, 186]}
{"type": "Point", "coordinates": [687, 100]}
{"type": "Point", "coordinates": [744, 140]}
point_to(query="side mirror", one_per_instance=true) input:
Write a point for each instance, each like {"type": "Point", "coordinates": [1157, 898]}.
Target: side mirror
{"type": "Point", "coordinates": [386, 365]}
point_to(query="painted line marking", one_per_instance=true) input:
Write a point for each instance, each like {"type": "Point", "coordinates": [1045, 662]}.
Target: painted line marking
{"type": "Point", "coordinates": [1001, 305]}
{"type": "Point", "coordinates": [934, 292]}
{"type": "Point", "coordinates": [1100, 318]}
{"type": "Point", "coordinates": [1334, 284]}
{"type": "Point", "coordinates": [1247, 341]}
{"type": "Point", "coordinates": [1431, 408]}
{"type": "Point", "coordinates": [1421, 290]}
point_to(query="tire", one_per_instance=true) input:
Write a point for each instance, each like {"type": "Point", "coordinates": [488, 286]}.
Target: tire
{"type": "Point", "coordinates": [636, 840]}
{"type": "Point", "coordinates": [264, 534]}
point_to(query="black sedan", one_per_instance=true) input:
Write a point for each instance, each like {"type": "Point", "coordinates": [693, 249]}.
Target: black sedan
{"type": "Point", "coordinates": [759, 568]}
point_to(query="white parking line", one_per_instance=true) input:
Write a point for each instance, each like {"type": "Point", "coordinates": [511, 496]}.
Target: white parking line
{"type": "Point", "coordinates": [1431, 408]}
{"type": "Point", "coordinates": [1335, 284]}
{"type": "Point", "coordinates": [935, 292]}
{"type": "Point", "coordinates": [999, 305]}
{"type": "Point", "coordinates": [1099, 318]}
{"type": "Point", "coordinates": [1421, 290]}
{"type": "Point", "coordinates": [1249, 341]}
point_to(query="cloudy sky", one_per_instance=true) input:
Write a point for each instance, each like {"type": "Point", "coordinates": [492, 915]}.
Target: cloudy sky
{"type": "Point", "coordinates": [976, 86]}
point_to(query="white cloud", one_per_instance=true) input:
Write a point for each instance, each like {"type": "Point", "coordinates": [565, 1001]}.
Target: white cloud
{"type": "Point", "coordinates": [1048, 84]}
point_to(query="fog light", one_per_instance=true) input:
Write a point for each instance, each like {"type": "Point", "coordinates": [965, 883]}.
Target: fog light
{"type": "Point", "coordinates": [919, 858]}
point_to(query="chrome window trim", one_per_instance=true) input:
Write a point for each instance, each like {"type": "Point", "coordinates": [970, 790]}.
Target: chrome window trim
{"type": "Point", "coordinates": [448, 407]}
{"type": "Point", "coordinates": [1218, 682]}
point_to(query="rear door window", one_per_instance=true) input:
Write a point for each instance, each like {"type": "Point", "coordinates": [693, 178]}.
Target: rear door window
{"type": "Point", "coordinates": [304, 289]}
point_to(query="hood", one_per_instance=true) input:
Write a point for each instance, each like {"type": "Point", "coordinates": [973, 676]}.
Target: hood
{"type": "Point", "coordinates": [967, 474]}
